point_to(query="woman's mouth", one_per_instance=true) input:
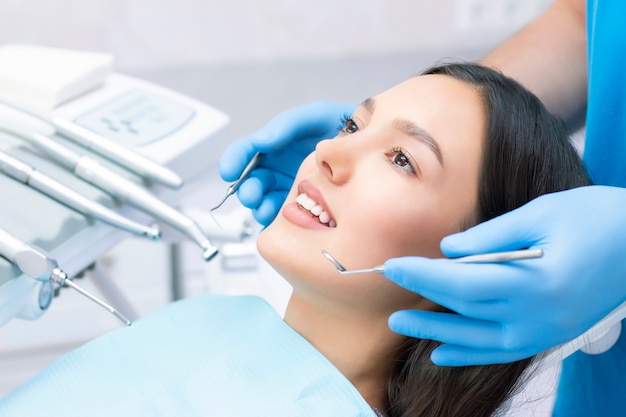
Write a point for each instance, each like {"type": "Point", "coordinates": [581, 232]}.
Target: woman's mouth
{"type": "Point", "coordinates": [305, 202]}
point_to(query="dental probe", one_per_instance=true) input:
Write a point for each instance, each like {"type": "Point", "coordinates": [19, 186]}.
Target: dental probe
{"type": "Point", "coordinates": [483, 258]}
{"type": "Point", "coordinates": [28, 175]}
{"type": "Point", "coordinates": [37, 264]}
{"type": "Point", "coordinates": [90, 170]}
{"type": "Point", "coordinates": [232, 189]}
{"type": "Point", "coordinates": [122, 156]}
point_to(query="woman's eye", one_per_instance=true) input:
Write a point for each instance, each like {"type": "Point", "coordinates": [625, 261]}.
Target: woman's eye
{"type": "Point", "coordinates": [399, 158]}
{"type": "Point", "coordinates": [349, 126]}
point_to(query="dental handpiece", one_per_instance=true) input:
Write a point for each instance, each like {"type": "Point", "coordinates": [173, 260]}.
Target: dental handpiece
{"type": "Point", "coordinates": [37, 264]}
{"type": "Point", "coordinates": [122, 156]}
{"type": "Point", "coordinates": [28, 175]}
{"type": "Point", "coordinates": [90, 170]}
{"type": "Point", "coordinates": [232, 189]}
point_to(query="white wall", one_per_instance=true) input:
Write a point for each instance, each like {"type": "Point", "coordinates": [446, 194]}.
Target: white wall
{"type": "Point", "coordinates": [144, 34]}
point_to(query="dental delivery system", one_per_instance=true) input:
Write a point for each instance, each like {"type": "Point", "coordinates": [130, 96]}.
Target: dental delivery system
{"type": "Point", "coordinates": [37, 264]}
{"type": "Point", "coordinates": [28, 175]}
{"type": "Point", "coordinates": [122, 156]}
{"type": "Point", "coordinates": [90, 170]}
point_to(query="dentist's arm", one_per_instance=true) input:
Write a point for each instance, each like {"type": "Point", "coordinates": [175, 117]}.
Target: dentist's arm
{"type": "Point", "coordinates": [286, 140]}
{"type": "Point", "coordinates": [549, 57]}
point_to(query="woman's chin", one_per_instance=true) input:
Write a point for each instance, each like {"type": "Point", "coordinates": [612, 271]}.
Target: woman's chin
{"type": "Point", "coordinates": [262, 244]}
{"type": "Point", "coordinates": [271, 246]}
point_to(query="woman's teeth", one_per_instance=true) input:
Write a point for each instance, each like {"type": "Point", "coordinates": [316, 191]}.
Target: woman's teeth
{"type": "Point", "coordinates": [310, 205]}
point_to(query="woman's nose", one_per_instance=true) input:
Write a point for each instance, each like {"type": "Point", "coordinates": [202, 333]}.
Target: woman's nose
{"type": "Point", "coordinates": [335, 159]}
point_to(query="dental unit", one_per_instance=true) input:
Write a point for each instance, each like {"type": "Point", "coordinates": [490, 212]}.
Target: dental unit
{"type": "Point", "coordinates": [123, 157]}
{"type": "Point", "coordinates": [37, 264]}
{"type": "Point", "coordinates": [99, 154]}
{"type": "Point", "coordinates": [91, 170]}
{"type": "Point", "coordinates": [28, 175]}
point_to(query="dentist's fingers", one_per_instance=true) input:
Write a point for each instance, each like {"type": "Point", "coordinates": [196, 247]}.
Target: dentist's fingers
{"type": "Point", "coordinates": [269, 208]}
{"type": "Point", "coordinates": [463, 281]}
{"type": "Point", "coordinates": [302, 126]}
{"type": "Point", "coordinates": [252, 190]}
{"type": "Point", "coordinates": [490, 310]}
{"type": "Point", "coordinates": [452, 355]}
{"type": "Point", "coordinates": [285, 162]}
{"type": "Point", "coordinates": [447, 328]}
{"type": "Point", "coordinates": [318, 120]}
{"type": "Point", "coordinates": [260, 182]}
{"type": "Point", "coordinates": [234, 159]}
{"type": "Point", "coordinates": [511, 231]}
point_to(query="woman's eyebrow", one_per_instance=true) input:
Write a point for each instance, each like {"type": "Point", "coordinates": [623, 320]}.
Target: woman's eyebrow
{"type": "Point", "coordinates": [369, 104]}
{"type": "Point", "coordinates": [411, 129]}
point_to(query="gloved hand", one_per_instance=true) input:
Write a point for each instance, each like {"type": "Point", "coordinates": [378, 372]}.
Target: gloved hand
{"type": "Point", "coordinates": [511, 311]}
{"type": "Point", "coordinates": [286, 140]}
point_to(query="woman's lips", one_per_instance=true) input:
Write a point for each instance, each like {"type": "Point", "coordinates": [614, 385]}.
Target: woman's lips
{"type": "Point", "coordinates": [310, 205]}
{"type": "Point", "coordinates": [311, 209]}
{"type": "Point", "coordinates": [301, 217]}
{"type": "Point", "coordinates": [314, 193]}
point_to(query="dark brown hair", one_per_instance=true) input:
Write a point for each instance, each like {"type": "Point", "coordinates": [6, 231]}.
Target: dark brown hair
{"type": "Point", "coordinates": [527, 153]}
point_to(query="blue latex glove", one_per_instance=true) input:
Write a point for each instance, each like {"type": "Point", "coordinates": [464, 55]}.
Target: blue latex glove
{"type": "Point", "coordinates": [286, 140]}
{"type": "Point", "coordinates": [510, 311]}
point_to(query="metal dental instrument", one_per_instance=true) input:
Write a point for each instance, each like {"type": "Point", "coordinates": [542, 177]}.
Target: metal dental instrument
{"type": "Point", "coordinates": [232, 189]}
{"type": "Point", "coordinates": [90, 170]}
{"type": "Point", "coordinates": [37, 264]}
{"type": "Point", "coordinates": [28, 175]}
{"type": "Point", "coordinates": [124, 157]}
{"type": "Point", "coordinates": [483, 258]}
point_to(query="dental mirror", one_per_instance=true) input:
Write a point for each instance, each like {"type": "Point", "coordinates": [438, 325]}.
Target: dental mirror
{"type": "Point", "coordinates": [483, 258]}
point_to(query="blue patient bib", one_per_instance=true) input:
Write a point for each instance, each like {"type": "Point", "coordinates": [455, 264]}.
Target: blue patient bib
{"type": "Point", "coordinates": [205, 356]}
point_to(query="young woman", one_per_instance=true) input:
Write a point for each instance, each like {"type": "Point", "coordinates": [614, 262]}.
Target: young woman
{"type": "Point", "coordinates": [430, 157]}
{"type": "Point", "coordinates": [434, 155]}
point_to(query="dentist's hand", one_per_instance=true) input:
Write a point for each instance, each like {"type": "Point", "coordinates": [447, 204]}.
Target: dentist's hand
{"type": "Point", "coordinates": [286, 140]}
{"type": "Point", "coordinates": [514, 310]}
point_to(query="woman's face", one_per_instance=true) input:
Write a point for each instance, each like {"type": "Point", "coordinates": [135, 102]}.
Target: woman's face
{"type": "Point", "coordinates": [401, 175]}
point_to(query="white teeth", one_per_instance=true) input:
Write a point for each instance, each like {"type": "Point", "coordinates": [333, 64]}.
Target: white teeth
{"type": "Point", "coordinates": [309, 204]}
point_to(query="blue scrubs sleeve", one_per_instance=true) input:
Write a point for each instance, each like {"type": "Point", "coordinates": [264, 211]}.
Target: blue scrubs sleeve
{"type": "Point", "coordinates": [595, 385]}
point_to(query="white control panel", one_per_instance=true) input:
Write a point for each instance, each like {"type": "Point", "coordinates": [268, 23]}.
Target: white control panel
{"type": "Point", "coordinates": [137, 117]}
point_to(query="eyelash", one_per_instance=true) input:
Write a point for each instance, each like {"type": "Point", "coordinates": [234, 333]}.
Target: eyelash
{"type": "Point", "coordinates": [345, 120]}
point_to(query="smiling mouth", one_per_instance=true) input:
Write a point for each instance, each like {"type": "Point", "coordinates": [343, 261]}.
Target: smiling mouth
{"type": "Point", "coordinates": [307, 203]}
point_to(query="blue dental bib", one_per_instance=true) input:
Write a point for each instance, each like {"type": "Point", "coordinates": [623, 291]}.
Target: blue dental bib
{"type": "Point", "coordinates": [204, 356]}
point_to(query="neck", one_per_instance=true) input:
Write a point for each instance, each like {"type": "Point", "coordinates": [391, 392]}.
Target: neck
{"type": "Point", "coordinates": [359, 344]}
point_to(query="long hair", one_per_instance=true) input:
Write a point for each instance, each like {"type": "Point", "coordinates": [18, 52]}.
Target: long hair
{"type": "Point", "coordinates": [527, 153]}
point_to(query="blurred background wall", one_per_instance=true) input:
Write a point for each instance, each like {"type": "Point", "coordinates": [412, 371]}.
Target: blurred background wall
{"type": "Point", "coordinates": [144, 34]}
